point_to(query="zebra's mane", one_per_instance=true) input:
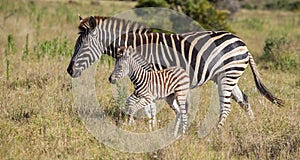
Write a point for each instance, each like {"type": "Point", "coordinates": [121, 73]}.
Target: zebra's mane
{"type": "Point", "coordinates": [85, 24]}
{"type": "Point", "coordinates": [130, 52]}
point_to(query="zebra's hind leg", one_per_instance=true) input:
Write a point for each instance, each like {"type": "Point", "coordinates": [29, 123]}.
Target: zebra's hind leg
{"type": "Point", "coordinates": [174, 105]}
{"type": "Point", "coordinates": [181, 98]}
{"type": "Point", "coordinates": [242, 99]}
{"type": "Point", "coordinates": [225, 90]}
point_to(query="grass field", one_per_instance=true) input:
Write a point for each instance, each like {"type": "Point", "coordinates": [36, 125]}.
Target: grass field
{"type": "Point", "coordinates": [38, 119]}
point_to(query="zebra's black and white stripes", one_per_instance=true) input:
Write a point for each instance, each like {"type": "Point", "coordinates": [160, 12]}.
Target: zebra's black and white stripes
{"type": "Point", "coordinates": [210, 55]}
{"type": "Point", "coordinates": [171, 84]}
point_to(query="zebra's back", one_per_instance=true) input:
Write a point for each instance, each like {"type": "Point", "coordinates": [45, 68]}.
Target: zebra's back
{"type": "Point", "coordinates": [168, 81]}
{"type": "Point", "coordinates": [202, 54]}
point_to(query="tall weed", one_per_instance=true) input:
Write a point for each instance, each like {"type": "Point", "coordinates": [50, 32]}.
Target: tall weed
{"type": "Point", "coordinates": [11, 49]}
{"type": "Point", "coordinates": [53, 48]}
{"type": "Point", "coordinates": [26, 50]}
{"type": "Point", "coordinates": [118, 102]}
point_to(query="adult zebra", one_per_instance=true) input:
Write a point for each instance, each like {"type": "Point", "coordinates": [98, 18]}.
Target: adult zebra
{"type": "Point", "coordinates": [210, 55]}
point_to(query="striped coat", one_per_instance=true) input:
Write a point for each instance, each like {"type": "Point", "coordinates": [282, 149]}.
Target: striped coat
{"type": "Point", "coordinates": [210, 55]}
{"type": "Point", "coordinates": [171, 84]}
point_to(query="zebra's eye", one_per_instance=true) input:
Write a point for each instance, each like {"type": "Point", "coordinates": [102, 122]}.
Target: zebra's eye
{"type": "Point", "coordinates": [93, 33]}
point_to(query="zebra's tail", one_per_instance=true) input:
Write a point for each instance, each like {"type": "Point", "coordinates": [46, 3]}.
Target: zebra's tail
{"type": "Point", "coordinates": [260, 86]}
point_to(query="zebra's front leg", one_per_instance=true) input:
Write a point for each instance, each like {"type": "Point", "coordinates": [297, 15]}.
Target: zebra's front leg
{"type": "Point", "coordinates": [151, 114]}
{"type": "Point", "coordinates": [242, 99]}
{"type": "Point", "coordinates": [130, 120]}
{"type": "Point", "coordinates": [182, 102]}
{"type": "Point", "coordinates": [141, 102]}
{"type": "Point", "coordinates": [130, 102]}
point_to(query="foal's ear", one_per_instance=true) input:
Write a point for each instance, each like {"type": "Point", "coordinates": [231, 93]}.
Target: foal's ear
{"type": "Point", "coordinates": [92, 22]}
{"type": "Point", "coordinates": [120, 52]}
{"type": "Point", "coordinates": [130, 51]}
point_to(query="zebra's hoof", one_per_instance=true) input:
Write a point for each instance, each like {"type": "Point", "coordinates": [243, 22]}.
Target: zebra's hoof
{"type": "Point", "coordinates": [251, 115]}
{"type": "Point", "coordinates": [220, 125]}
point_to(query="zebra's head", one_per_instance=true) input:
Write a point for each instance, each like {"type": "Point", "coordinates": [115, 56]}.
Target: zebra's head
{"type": "Point", "coordinates": [88, 49]}
{"type": "Point", "coordinates": [122, 66]}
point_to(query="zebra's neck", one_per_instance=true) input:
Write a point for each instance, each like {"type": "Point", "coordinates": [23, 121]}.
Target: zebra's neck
{"type": "Point", "coordinates": [137, 74]}
{"type": "Point", "coordinates": [114, 33]}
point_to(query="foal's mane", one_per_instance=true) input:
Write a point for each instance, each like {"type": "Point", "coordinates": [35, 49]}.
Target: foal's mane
{"type": "Point", "coordinates": [136, 57]}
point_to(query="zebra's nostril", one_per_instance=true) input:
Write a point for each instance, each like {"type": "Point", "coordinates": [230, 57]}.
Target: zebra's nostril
{"type": "Point", "coordinates": [70, 71]}
{"type": "Point", "coordinates": [70, 68]}
{"type": "Point", "coordinates": [110, 79]}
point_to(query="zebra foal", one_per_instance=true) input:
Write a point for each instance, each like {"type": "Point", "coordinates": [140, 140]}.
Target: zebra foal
{"type": "Point", "coordinates": [171, 84]}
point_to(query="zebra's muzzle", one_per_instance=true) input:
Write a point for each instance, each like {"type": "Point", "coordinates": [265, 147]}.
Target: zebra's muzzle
{"type": "Point", "coordinates": [72, 71]}
{"type": "Point", "coordinates": [112, 81]}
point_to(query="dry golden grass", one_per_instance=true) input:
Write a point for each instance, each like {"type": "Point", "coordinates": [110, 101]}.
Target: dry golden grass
{"type": "Point", "coordinates": [38, 119]}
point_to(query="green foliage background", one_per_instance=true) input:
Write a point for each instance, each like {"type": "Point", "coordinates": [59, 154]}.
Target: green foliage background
{"type": "Point", "coordinates": [201, 11]}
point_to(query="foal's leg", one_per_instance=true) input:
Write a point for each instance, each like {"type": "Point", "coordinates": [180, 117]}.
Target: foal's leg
{"type": "Point", "coordinates": [151, 114]}
{"type": "Point", "coordinates": [141, 102]}
{"type": "Point", "coordinates": [130, 102]}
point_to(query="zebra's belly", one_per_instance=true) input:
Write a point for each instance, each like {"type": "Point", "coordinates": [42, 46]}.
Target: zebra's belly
{"type": "Point", "coordinates": [159, 92]}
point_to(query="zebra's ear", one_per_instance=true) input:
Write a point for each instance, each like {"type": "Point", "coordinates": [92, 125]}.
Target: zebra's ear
{"type": "Point", "coordinates": [120, 52]}
{"type": "Point", "coordinates": [130, 51]}
{"type": "Point", "coordinates": [80, 18]}
{"type": "Point", "coordinates": [151, 66]}
{"type": "Point", "coordinates": [92, 23]}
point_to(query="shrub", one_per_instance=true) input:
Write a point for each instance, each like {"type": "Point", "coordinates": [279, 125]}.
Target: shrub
{"type": "Point", "coordinates": [151, 3]}
{"type": "Point", "coordinates": [280, 54]}
{"type": "Point", "coordinates": [283, 4]}
{"type": "Point", "coordinates": [232, 6]}
{"type": "Point", "coordinates": [201, 11]}
{"type": "Point", "coordinates": [249, 6]}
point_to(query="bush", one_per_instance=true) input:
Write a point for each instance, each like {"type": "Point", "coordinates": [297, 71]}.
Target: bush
{"type": "Point", "coordinates": [283, 4]}
{"type": "Point", "coordinates": [232, 6]}
{"type": "Point", "coordinates": [151, 3]}
{"type": "Point", "coordinates": [249, 6]}
{"type": "Point", "coordinates": [201, 11]}
{"type": "Point", "coordinates": [280, 54]}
